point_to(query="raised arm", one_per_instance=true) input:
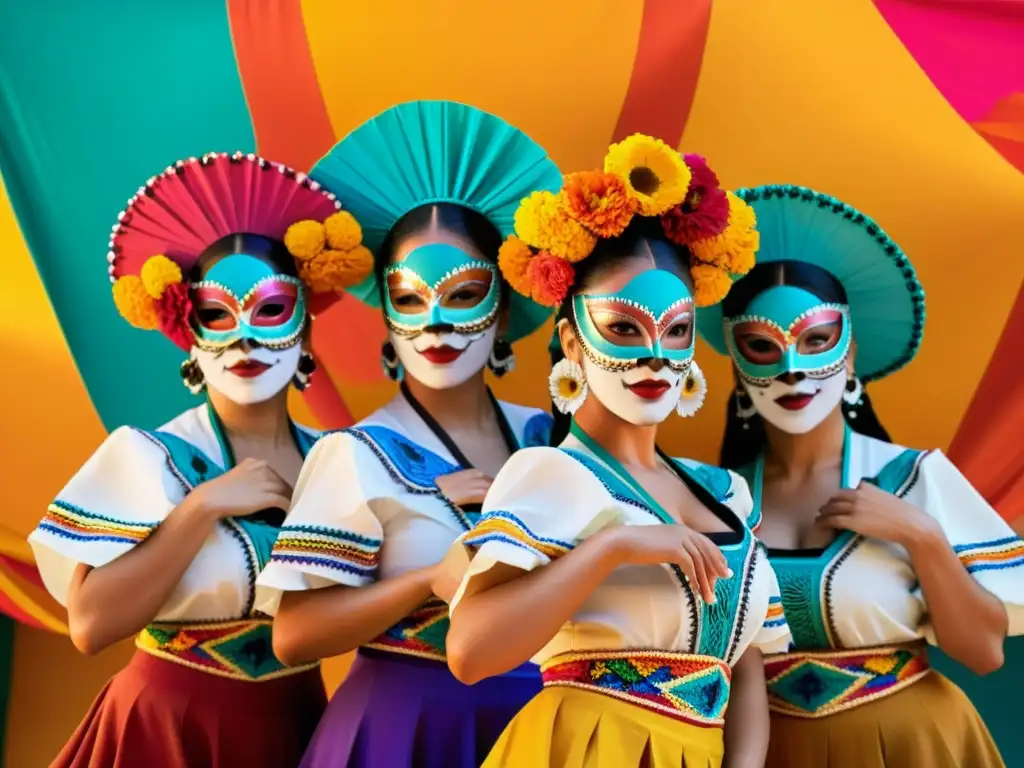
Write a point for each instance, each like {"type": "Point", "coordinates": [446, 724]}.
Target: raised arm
{"type": "Point", "coordinates": [504, 615]}
{"type": "Point", "coordinates": [116, 600]}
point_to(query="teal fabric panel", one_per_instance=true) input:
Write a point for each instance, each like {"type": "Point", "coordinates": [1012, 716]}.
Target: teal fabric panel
{"type": "Point", "coordinates": [96, 97]}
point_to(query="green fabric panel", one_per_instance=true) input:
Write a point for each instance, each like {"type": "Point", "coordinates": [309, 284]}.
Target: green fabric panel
{"type": "Point", "coordinates": [96, 97]}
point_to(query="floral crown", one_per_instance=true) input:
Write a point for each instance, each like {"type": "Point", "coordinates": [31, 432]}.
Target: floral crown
{"type": "Point", "coordinates": [169, 223]}
{"type": "Point", "coordinates": [642, 176]}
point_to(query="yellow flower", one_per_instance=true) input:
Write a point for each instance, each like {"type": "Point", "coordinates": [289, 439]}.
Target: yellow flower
{"type": "Point", "coordinates": [135, 304]}
{"type": "Point", "coordinates": [710, 284]}
{"type": "Point", "coordinates": [157, 273]}
{"type": "Point", "coordinates": [543, 221]}
{"type": "Point", "coordinates": [735, 248]}
{"type": "Point", "coordinates": [343, 231]}
{"type": "Point", "coordinates": [656, 175]}
{"type": "Point", "coordinates": [305, 239]}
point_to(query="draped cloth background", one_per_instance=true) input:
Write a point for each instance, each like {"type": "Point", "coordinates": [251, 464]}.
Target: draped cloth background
{"type": "Point", "coordinates": [912, 110]}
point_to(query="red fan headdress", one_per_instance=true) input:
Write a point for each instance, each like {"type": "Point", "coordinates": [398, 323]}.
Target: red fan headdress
{"type": "Point", "coordinates": [177, 215]}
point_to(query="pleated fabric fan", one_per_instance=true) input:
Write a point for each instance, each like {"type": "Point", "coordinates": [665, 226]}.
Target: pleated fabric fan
{"type": "Point", "coordinates": [887, 308]}
{"type": "Point", "coordinates": [426, 152]}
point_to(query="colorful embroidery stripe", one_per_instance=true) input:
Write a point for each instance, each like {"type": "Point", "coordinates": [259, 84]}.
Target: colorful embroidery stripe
{"type": "Point", "coordinates": [421, 633]}
{"type": "Point", "coordinates": [991, 555]}
{"type": "Point", "coordinates": [775, 616]}
{"type": "Point", "coordinates": [327, 548]}
{"type": "Point", "coordinates": [71, 522]}
{"type": "Point", "coordinates": [240, 650]}
{"type": "Point", "coordinates": [818, 684]}
{"type": "Point", "coordinates": [507, 528]}
{"type": "Point", "coordinates": [686, 687]}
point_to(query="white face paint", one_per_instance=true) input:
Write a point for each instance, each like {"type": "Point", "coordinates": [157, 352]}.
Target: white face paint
{"type": "Point", "coordinates": [249, 377]}
{"type": "Point", "coordinates": [803, 405]}
{"type": "Point", "coordinates": [646, 403]}
{"type": "Point", "coordinates": [445, 360]}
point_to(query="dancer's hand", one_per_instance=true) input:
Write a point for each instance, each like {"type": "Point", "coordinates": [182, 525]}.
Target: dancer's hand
{"type": "Point", "coordinates": [467, 486]}
{"type": "Point", "coordinates": [250, 487]}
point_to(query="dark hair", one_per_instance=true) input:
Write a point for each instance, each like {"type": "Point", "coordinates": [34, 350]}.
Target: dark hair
{"type": "Point", "coordinates": [463, 221]}
{"type": "Point", "coordinates": [607, 254]}
{"type": "Point", "coordinates": [273, 251]}
{"type": "Point", "coordinates": [744, 440]}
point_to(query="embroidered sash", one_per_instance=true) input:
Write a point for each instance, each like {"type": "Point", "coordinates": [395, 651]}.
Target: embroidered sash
{"type": "Point", "coordinates": [421, 633]}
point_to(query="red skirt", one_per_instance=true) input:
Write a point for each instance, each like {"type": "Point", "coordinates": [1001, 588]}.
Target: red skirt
{"type": "Point", "coordinates": [159, 714]}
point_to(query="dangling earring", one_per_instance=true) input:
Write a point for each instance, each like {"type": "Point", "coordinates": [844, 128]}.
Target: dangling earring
{"type": "Point", "coordinates": [568, 386]}
{"type": "Point", "coordinates": [307, 364]}
{"type": "Point", "coordinates": [853, 395]}
{"type": "Point", "coordinates": [503, 359]}
{"type": "Point", "coordinates": [389, 361]}
{"type": "Point", "coordinates": [745, 409]}
{"type": "Point", "coordinates": [192, 376]}
{"type": "Point", "coordinates": [693, 392]}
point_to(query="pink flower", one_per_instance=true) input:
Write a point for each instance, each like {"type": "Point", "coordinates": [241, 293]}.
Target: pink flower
{"type": "Point", "coordinates": [705, 211]}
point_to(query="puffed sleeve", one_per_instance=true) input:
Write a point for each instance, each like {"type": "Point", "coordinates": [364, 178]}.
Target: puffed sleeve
{"type": "Point", "coordinates": [331, 535]}
{"type": "Point", "coordinates": [541, 505]}
{"type": "Point", "coordinates": [773, 636]}
{"type": "Point", "coordinates": [111, 505]}
{"type": "Point", "coordinates": [986, 545]}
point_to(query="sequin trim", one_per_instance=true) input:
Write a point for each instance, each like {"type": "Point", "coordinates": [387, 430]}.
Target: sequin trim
{"type": "Point", "coordinates": [687, 687]}
{"type": "Point", "coordinates": [239, 650]}
{"type": "Point", "coordinates": [814, 684]}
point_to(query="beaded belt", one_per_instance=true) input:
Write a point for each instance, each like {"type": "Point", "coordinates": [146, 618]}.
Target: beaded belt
{"type": "Point", "coordinates": [240, 650]}
{"type": "Point", "coordinates": [821, 683]}
{"type": "Point", "coordinates": [694, 689]}
{"type": "Point", "coordinates": [421, 633]}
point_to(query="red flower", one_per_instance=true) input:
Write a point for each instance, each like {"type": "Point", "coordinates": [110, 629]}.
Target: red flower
{"type": "Point", "coordinates": [705, 211]}
{"type": "Point", "coordinates": [173, 310]}
{"type": "Point", "coordinates": [550, 279]}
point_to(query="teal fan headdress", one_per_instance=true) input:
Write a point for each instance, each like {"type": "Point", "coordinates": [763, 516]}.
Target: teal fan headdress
{"type": "Point", "coordinates": [885, 297]}
{"type": "Point", "coordinates": [426, 152]}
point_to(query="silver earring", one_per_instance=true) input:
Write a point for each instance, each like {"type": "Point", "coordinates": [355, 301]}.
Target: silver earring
{"type": "Point", "coordinates": [745, 409]}
{"type": "Point", "coordinates": [853, 395]}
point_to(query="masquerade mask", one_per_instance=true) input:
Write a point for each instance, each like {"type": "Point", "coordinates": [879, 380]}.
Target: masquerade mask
{"type": "Point", "coordinates": [650, 317]}
{"type": "Point", "coordinates": [789, 330]}
{"type": "Point", "coordinates": [242, 297]}
{"type": "Point", "coordinates": [441, 285]}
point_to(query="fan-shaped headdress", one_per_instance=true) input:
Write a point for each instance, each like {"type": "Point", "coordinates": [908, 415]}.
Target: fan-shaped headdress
{"type": "Point", "coordinates": [425, 152]}
{"type": "Point", "coordinates": [642, 176]}
{"type": "Point", "coordinates": [885, 298]}
{"type": "Point", "coordinates": [172, 220]}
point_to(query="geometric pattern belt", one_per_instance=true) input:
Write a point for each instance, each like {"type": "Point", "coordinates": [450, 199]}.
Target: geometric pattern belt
{"type": "Point", "coordinates": [240, 650]}
{"type": "Point", "coordinates": [422, 633]}
{"type": "Point", "coordinates": [690, 688]}
{"type": "Point", "coordinates": [821, 683]}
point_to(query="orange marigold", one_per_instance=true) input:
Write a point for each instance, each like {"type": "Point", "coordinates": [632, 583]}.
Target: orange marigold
{"type": "Point", "coordinates": [550, 279]}
{"type": "Point", "coordinates": [599, 201]}
{"type": "Point", "coordinates": [336, 270]}
{"type": "Point", "coordinates": [710, 284]}
{"type": "Point", "coordinates": [514, 260]}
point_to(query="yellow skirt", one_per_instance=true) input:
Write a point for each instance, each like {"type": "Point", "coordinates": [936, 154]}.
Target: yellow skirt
{"type": "Point", "coordinates": [930, 724]}
{"type": "Point", "coordinates": [565, 727]}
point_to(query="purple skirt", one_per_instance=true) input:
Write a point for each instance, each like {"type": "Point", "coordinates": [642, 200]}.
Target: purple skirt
{"type": "Point", "coordinates": [397, 711]}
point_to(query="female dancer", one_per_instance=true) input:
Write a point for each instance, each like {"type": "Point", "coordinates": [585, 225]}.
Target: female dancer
{"type": "Point", "coordinates": [377, 506]}
{"type": "Point", "coordinates": [876, 546]}
{"type": "Point", "coordinates": [161, 533]}
{"type": "Point", "coordinates": [654, 598]}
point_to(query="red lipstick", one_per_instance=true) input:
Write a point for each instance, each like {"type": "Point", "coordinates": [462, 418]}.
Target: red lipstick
{"type": "Point", "coordinates": [249, 369]}
{"type": "Point", "coordinates": [442, 355]}
{"type": "Point", "coordinates": [794, 402]}
{"type": "Point", "coordinates": [649, 389]}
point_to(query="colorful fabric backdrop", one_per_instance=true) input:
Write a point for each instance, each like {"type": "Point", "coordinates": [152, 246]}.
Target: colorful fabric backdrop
{"type": "Point", "coordinates": [912, 110]}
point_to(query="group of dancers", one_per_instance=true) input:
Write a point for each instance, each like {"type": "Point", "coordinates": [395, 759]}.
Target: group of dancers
{"type": "Point", "coordinates": [522, 588]}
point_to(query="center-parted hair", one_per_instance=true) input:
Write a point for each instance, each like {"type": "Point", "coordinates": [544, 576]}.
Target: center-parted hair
{"type": "Point", "coordinates": [741, 446]}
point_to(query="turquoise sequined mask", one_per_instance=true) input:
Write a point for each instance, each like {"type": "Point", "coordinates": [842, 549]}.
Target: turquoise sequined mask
{"type": "Point", "coordinates": [787, 329]}
{"type": "Point", "coordinates": [650, 317]}
{"type": "Point", "coordinates": [242, 297]}
{"type": "Point", "coordinates": [441, 285]}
